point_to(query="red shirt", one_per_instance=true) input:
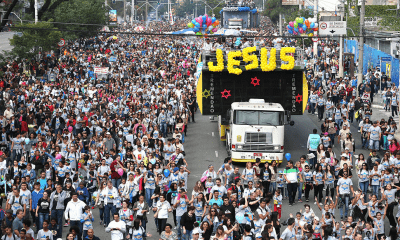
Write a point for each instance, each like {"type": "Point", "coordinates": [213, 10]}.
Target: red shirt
{"type": "Point", "coordinates": [114, 174]}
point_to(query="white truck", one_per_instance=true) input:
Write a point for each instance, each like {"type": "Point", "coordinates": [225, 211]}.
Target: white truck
{"type": "Point", "coordinates": [254, 129]}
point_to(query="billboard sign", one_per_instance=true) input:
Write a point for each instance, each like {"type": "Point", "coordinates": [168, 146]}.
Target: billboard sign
{"type": "Point", "coordinates": [112, 17]}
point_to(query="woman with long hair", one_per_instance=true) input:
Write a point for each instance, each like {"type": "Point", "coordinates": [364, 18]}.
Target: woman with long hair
{"type": "Point", "coordinates": [212, 218]}
{"type": "Point", "coordinates": [100, 200]}
{"type": "Point", "coordinates": [329, 176]}
{"type": "Point", "coordinates": [274, 171]}
{"type": "Point", "coordinates": [200, 205]}
{"type": "Point", "coordinates": [229, 227]}
{"type": "Point", "coordinates": [172, 192]}
{"type": "Point", "coordinates": [206, 230]}
{"type": "Point", "coordinates": [248, 174]}
{"type": "Point", "coordinates": [266, 178]}
{"type": "Point", "coordinates": [363, 180]}
{"type": "Point", "coordinates": [319, 179]}
{"type": "Point", "coordinates": [220, 233]}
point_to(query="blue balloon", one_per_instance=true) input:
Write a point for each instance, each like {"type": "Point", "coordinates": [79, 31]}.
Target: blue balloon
{"type": "Point", "coordinates": [194, 21]}
{"type": "Point", "coordinates": [300, 25]}
{"type": "Point", "coordinates": [312, 25]}
{"type": "Point", "coordinates": [27, 140]}
{"type": "Point", "coordinates": [213, 19]}
{"type": "Point", "coordinates": [290, 27]}
{"type": "Point", "coordinates": [204, 19]}
{"type": "Point", "coordinates": [204, 26]}
{"type": "Point", "coordinates": [196, 29]}
{"type": "Point", "coordinates": [296, 29]}
{"type": "Point", "coordinates": [290, 31]}
{"type": "Point", "coordinates": [239, 217]}
{"type": "Point", "coordinates": [197, 25]}
{"type": "Point", "coordinates": [166, 172]}
{"type": "Point", "coordinates": [304, 19]}
{"type": "Point", "coordinates": [288, 156]}
{"type": "Point", "coordinates": [304, 27]}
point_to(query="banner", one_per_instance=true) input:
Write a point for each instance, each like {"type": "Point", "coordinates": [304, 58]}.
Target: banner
{"type": "Point", "coordinates": [112, 16]}
{"type": "Point", "coordinates": [101, 70]}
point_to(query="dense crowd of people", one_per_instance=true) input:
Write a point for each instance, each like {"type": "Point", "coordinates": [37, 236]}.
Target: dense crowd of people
{"type": "Point", "coordinates": [76, 140]}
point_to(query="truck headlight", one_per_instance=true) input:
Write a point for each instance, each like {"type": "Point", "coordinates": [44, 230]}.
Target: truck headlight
{"type": "Point", "coordinates": [239, 147]}
{"type": "Point", "coordinates": [276, 148]}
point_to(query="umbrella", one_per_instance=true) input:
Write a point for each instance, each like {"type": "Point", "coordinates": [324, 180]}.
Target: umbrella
{"type": "Point", "coordinates": [138, 28]}
{"type": "Point", "coordinates": [112, 37]}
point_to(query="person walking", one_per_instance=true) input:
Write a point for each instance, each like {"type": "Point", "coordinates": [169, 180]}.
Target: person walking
{"type": "Point", "coordinates": [292, 175]}
{"type": "Point", "coordinates": [117, 228]}
{"type": "Point", "coordinates": [74, 211]}
{"type": "Point", "coordinates": [312, 145]}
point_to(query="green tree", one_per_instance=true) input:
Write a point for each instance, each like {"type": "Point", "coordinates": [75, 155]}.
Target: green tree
{"type": "Point", "coordinates": [35, 38]}
{"type": "Point", "coordinates": [274, 7]}
{"type": "Point", "coordinates": [84, 17]}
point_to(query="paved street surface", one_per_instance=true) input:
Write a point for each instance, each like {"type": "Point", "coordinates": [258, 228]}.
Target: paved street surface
{"type": "Point", "coordinates": [5, 41]}
{"type": "Point", "coordinates": [203, 147]}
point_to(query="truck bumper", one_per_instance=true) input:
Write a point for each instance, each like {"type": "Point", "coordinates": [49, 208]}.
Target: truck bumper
{"type": "Point", "coordinates": [250, 157]}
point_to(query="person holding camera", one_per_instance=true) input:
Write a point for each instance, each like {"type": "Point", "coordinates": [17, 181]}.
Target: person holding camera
{"type": "Point", "coordinates": [117, 228]}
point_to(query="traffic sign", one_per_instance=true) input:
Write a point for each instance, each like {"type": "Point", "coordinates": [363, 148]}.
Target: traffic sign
{"type": "Point", "coordinates": [61, 43]}
{"type": "Point", "coordinates": [333, 28]}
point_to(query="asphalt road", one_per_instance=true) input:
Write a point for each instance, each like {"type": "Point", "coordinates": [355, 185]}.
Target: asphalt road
{"type": "Point", "coordinates": [203, 147]}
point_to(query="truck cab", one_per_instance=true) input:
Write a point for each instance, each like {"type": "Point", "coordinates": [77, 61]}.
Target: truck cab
{"type": "Point", "coordinates": [254, 129]}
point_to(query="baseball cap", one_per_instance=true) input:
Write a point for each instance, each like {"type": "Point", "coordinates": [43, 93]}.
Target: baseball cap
{"type": "Point", "coordinates": [108, 133]}
{"type": "Point", "coordinates": [195, 231]}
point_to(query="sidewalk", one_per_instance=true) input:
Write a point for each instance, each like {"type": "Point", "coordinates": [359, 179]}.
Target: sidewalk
{"type": "Point", "coordinates": [378, 112]}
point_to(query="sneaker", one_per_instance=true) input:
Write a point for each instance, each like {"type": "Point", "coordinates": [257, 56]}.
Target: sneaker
{"type": "Point", "coordinates": [315, 203]}
{"type": "Point", "coordinates": [300, 201]}
{"type": "Point", "coordinates": [101, 222]}
{"type": "Point", "coordinates": [290, 204]}
{"type": "Point", "coordinates": [302, 195]}
{"type": "Point", "coordinates": [320, 203]}
{"type": "Point", "coordinates": [307, 200]}
{"type": "Point", "coordinates": [66, 224]}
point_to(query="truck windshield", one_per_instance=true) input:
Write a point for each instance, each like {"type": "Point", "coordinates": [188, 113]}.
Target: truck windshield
{"type": "Point", "coordinates": [248, 117]}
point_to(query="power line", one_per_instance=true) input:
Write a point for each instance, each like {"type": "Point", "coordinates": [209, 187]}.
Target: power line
{"type": "Point", "coordinates": [192, 35]}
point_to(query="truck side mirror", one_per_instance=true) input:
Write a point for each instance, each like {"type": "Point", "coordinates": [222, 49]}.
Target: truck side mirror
{"type": "Point", "coordinates": [291, 123]}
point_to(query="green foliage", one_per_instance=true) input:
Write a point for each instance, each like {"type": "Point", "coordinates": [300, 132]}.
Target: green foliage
{"type": "Point", "coordinates": [299, 13]}
{"type": "Point", "coordinates": [81, 12]}
{"type": "Point", "coordinates": [274, 7]}
{"type": "Point", "coordinates": [35, 38]}
{"type": "Point", "coordinates": [354, 24]}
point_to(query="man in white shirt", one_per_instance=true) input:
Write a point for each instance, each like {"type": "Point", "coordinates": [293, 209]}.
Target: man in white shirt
{"type": "Point", "coordinates": [117, 228]}
{"type": "Point", "coordinates": [207, 46]}
{"type": "Point", "coordinates": [74, 210]}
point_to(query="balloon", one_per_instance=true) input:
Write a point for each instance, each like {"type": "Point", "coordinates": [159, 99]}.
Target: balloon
{"type": "Point", "coordinates": [70, 128]}
{"type": "Point", "coordinates": [296, 25]}
{"type": "Point", "coordinates": [304, 27]}
{"type": "Point", "coordinates": [216, 22]}
{"type": "Point", "coordinates": [190, 25]}
{"type": "Point", "coordinates": [315, 25]}
{"type": "Point", "coordinates": [210, 28]}
{"type": "Point", "coordinates": [290, 27]}
{"type": "Point", "coordinates": [196, 29]}
{"type": "Point", "coordinates": [27, 140]}
{"type": "Point", "coordinates": [300, 25]}
{"type": "Point", "coordinates": [295, 33]}
{"type": "Point", "coordinates": [301, 30]}
{"type": "Point", "coordinates": [208, 22]}
{"type": "Point", "coordinates": [299, 20]}
{"type": "Point", "coordinates": [310, 34]}
{"type": "Point", "coordinates": [239, 217]}
{"type": "Point", "coordinates": [3, 195]}
{"type": "Point", "coordinates": [291, 24]}
{"type": "Point", "coordinates": [199, 20]}
{"type": "Point", "coordinates": [214, 30]}
{"type": "Point", "coordinates": [303, 18]}
{"type": "Point", "coordinates": [296, 29]}
{"type": "Point", "coordinates": [290, 31]}
{"type": "Point", "coordinates": [204, 25]}
{"type": "Point", "coordinates": [213, 19]}
{"type": "Point", "coordinates": [59, 156]}
{"type": "Point", "coordinates": [315, 29]}
{"type": "Point", "coordinates": [288, 156]}
{"type": "Point", "coordinates": [197, 24]}
{"type": "Point", "coordinates": [204, 18]}
{"type": "Point", "coordinates": [194, 21]}
{"type": "Point", "coordinates": [166, 171]}
{"type": "Point", "coordinates": [120, 171]}
{"type": "Point", "coordinates": [312, 25]}
{"type": "Point", "coordinates": [307, 23]}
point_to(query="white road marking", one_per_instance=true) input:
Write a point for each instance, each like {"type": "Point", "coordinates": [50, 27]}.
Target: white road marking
{"type": "Point", "coordinates": [216, 154]}
{"type": "Point", "coordinates": [212, 134]}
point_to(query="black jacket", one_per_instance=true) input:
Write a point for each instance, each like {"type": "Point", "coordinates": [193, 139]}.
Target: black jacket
{"type": "Point", "coordinates": [229, 211]}
{"type": "Point", "coordinates": [62, 123]}
{"type": "Point", "coordinates": [188, 221]}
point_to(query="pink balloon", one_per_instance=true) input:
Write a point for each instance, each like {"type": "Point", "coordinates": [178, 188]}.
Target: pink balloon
{"type": "Point", "coordinates": [295, 33]}
{"type": "Point", "coordinates": [199, 20]}
{"type": "Point", "coordinates": [208, 22]}
{"type": "Point", "coordinates": [300, 30]}
{"type": "Point", "coordinates": [120, 172]}
{"type": "Point", "coordinates": [59, 156]}
{"type": "Point", "coordinates": [214, 29]}
{"type": "Point", "coordinates": [70, 128]}
{"type": "Point", "coordinates": [291, 24]}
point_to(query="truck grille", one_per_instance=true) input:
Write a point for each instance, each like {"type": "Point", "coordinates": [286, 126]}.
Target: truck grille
{"type": "Point", "coordinates": [257, 148]}
{"type": "Point", "coordinates": [259, 137]}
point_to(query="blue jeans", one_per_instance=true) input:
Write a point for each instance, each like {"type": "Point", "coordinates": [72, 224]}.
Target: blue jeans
{"type": "Point", "coordinates": [365, 142]}
{"type": "Point", "coordinates": [79, 224]}
{"type": "Point", "coordinates": [163, 129]}
{"type": "Point", "coordinates": [101, 212]}
{"type": "Point", "coordinates": [374, 144]}
{"type": "Point", "coordinates": [15, 155]}
{"type": "Point", "coordinates": [364, 189]}
{"type": "Point", "coordinates": [345, 204]}
{"type": "Point", "coordinates": [375, 190]}
{"type": "Point", "coordinates": [58, 214]}
{"type": "Point", "coordinates": [188, 235]}
{"type": "Point", "coordinates": [273, 187]}
{"type": "Point", "coordinates": [312, 107]}
{"type": "Point", "coordinates": [178, 226]}
{"type": "Point", "coordinates": [116, 182]}
{"type": "Point", "coordinates": [42, 217]}
{"type": "Point", "coordinates": [149, 193]}
{"type": "Point", "coordinates": [107, 209]}
{"type": "Point", "coordinates": [300, 189]}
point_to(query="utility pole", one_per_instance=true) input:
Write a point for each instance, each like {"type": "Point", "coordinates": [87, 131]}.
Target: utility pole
{"type": "Point", "coordinates": [341, 47]}
{"type": "Point", "coordinates": [147, 4]}
{"type": "Point", "coordinates": [132, 12]}
{"type": "Point", "coordinates": [361, 52]}
{"type": "Point", "coordinates": [315, 45]}
{"type": "Point", "coordinates": [196, 11]}
{"type": "Point", "coordinates": [280, 24]}
{"type": "Point", "coordinates": [36, 11]}
{"type": "Point", "coordinates": [124, 11]}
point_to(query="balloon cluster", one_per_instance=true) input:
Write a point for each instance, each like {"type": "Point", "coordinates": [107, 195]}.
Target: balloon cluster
{"type": "Point", "coordinates": [302, 26]}
{"type": "Point", "coordinates": [204, 25]}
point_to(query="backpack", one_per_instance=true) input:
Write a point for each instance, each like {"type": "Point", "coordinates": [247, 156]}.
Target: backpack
{"type": "Point", "coordinates": [19, 201]}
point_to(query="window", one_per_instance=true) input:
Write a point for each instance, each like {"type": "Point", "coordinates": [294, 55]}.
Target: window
{"type": "Point", "coordinates": [248, 117]}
